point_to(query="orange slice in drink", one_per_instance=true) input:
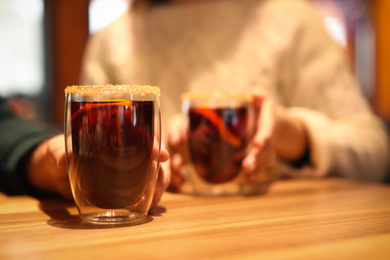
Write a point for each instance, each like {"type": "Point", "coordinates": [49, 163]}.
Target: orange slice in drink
{"type": "Point", "coordinates": [96, 105]}
{"type": "Point", "coordinates": [218, 122]}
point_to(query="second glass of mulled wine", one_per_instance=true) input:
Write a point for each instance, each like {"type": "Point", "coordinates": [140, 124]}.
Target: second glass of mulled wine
{"type": "Point", "coordinates": [220, 129]}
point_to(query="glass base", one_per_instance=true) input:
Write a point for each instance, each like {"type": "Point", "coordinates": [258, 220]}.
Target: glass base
{"type": "Point", "coordinates": [202, 188]}
{"type": "Point", "coordinates": [220, 190]}
{"type": "Point", "coordinates": [113, 217]}
{"type": "Point", "coordinates": [254, 189]}
{"type": "Point", "coordinates": [237, 186]}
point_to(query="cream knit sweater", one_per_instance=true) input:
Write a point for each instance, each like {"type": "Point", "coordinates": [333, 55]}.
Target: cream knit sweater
{"type": "Point", "coordinates": [279, 46]}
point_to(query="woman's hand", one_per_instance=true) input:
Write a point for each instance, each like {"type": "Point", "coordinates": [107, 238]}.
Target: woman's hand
{"type": "Point", "coordinates": [277, 134]}
{"type": "Point", "coordinates": [177, 146]}
{"type": "Point", "coordinates": [257, 159]}
{"type": "Point", "coordinates": [164, 177]}
{"type": "Point", "coordinates": [46, 168]}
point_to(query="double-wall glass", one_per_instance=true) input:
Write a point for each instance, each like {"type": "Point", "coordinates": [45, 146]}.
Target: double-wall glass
{"type": "Point", "coordinates": [112, 136]}
{"type": "Point", "coordinates": [221, 126]}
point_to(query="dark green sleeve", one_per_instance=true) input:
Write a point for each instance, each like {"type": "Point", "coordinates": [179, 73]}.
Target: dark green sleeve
{"type": "Point", "coordinates": [18, 138]}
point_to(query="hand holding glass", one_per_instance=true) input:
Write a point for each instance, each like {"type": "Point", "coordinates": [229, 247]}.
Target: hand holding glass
{"type": "Point", "coordinates": [220, 129]}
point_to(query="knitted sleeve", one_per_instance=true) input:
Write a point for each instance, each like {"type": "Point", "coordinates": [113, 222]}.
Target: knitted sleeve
{"type": "Point", "coordinates": [18, 138]}
{"type": "Point", "coordinates": [346, 138]}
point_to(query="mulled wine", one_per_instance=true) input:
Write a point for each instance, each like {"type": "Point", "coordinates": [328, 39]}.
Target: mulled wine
{"type": "Point", "coordinates": [112, 143]}
{"type": "Point", "coordinates": [218, 139]}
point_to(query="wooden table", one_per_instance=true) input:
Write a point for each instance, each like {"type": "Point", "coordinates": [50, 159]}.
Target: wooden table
{"type": "Point", "coordinates": [296, 219]}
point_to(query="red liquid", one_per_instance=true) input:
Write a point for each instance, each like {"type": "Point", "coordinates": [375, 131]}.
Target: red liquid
{"type": "Point", "coordinates": [217, 142]}
{"type": "Point", "coordinates": [112, 151]}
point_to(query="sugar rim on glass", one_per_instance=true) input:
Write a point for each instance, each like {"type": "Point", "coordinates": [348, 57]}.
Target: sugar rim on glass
{"type": "Point", "coordinates": [111, 88]}
{"type": "Point", "coordinates": [218, 95]}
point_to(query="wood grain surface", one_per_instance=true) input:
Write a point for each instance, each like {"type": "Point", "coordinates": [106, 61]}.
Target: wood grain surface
{"type": "Point", "coordinates": [296, 219]}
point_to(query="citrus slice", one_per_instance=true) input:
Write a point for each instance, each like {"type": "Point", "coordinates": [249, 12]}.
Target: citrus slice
{"type": "Point", "coordinates": [96, 105]}
{"type": "Point", "coordinates": [218, 122]}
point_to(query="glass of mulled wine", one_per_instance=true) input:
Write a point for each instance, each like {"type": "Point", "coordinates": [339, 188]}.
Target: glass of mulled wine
{"type": "Point", "coordinates": [220, 129]}
{"type": "Point", "coordinates": [112, 138]}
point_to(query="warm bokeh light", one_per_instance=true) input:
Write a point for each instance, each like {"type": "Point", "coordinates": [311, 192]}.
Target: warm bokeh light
{"type": "Point", "coordinates": [103, 12]}
{"type": "Point", "coordinates": [21, 64]}
{"type": "Point", "coordinates": [336, 29]}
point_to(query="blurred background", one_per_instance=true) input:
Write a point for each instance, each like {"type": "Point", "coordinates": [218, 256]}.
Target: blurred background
{"type": "Point", "coordinates": [42, 44]}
